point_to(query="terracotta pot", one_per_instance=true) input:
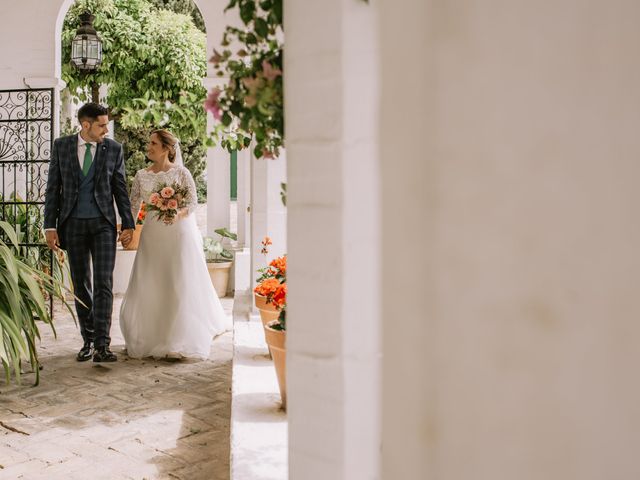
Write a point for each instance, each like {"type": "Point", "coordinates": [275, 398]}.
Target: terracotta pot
{"type": "Point", "coordinates": [277, 341]}
{"type": "Point", "coordinates": [268, 311]}
{"type": "Point", "coordinates": [133, 245]}
{"type": "Point", "coordinates": [219, 273]}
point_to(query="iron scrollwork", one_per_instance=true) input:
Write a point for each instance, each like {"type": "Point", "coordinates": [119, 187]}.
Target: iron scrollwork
{"type": "Point", "coordinates": [26, 140]}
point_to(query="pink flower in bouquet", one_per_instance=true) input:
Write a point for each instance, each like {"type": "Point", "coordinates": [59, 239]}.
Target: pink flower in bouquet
{"type": "Point", "coordinates": [167, 192]}
{"type": "Point", "coordinates": [154, 198]}
{"type": "Point", "coordinates": [172, 204]}
{"type": "Point", "coordinates": [163, 206]}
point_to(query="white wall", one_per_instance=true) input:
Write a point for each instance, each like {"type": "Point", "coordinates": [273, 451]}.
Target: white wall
{"type": "Point", "coordinates": [333, 345]}
{"type": "Point", "coordinates": [510, 141]}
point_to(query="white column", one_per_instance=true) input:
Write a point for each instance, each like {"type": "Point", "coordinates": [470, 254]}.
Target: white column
{"type": "Point", "coordinates": [333, 344]}
{"type": "Point", "coordinates": [218, 178]}
{"type": "Point", "coordinates": [218, 189]}
{"type": "Point", "coordinates": [409, 299]}
{"type": "Point", "coordinates": [244, 197]}
{"type": "Point", "coordinates": [268, 215]}
{"type": "Point", "coordinates": [509, 140]}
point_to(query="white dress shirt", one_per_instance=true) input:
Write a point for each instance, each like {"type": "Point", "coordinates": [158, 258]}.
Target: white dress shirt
{"type": "Point", "coordinates": [82, 148]}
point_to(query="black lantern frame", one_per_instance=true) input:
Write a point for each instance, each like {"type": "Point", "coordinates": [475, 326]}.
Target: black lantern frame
{"type": "Point", "coordinates": [86, 47]}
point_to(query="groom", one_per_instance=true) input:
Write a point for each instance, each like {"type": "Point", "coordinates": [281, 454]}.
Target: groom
{"type": "Point", "coordinates": [86, 175]}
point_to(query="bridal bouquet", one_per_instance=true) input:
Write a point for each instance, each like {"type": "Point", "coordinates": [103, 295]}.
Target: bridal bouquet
{"type": "Point", "coordinates": [167, 200]}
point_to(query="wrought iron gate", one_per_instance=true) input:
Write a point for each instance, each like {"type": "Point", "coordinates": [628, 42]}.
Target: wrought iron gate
{"type": "Point", "coordinates": [26, 141]}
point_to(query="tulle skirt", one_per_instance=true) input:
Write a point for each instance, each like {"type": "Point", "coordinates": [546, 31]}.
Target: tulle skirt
{"type": "Point", "coordinates": [171, 308]}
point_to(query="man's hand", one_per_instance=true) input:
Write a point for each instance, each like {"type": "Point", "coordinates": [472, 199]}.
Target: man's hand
{"type": "Point", "coordinates": [52, 239]}
{"type": "Point", "coordinates": [126, 236]}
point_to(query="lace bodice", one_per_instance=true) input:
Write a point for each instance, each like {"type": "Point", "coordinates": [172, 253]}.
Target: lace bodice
{"type": "Point", "coordinates": [146, 182]}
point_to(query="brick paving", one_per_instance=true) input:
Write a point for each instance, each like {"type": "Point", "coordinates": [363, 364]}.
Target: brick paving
{"type": "Point", "coordinates": [134, 419]}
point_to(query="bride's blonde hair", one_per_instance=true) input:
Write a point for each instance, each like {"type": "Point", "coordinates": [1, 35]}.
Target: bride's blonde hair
{"type": "Point", "coordinates": [169, 140]}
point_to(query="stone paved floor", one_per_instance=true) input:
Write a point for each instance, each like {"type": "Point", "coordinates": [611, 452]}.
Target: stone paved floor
{"type": "Point", "coordinates": [135, 419]}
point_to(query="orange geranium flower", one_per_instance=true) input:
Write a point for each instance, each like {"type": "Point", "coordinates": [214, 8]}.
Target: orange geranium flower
{"type": "Point", "coordinates": [279, 298]}
{"type": "Point", "coordinates": [267, 287]}
{"type": "Point", "coordinates": [142, 214]}
{"type": "Point", "coordinates": [266, 241]}
{"type": "Point", "coordinates": [280, 264]}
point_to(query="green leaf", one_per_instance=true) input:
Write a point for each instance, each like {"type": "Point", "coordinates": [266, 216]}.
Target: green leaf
{"type": "Point", "coordinates": [224, 232]}
{"type": "Point", "coordinates": [247, 11]}
{"type": "Point", "coordinates": [8, 229]}
{"type": "Point", "coordinates": [257, 151]}
{"type": "Point", "coordinates": [261, 27]}
{"type": "Point", "coordinates": [277, 11]}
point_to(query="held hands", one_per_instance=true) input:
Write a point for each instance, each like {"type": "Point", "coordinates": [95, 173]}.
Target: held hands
{"type": "Point", "coordinates": [126, 236]}
{"type": "Point", "coordinates": [52, 239]}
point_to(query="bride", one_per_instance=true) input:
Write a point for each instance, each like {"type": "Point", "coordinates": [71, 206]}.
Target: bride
{"type": "Point", "coordinates": [170, 308]}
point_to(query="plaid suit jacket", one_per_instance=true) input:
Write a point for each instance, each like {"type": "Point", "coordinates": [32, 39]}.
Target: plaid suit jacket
{"type": "Point", "coordinates": [62, 184]}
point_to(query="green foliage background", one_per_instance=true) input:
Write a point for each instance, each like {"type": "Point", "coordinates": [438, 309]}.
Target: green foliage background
{"type": "Point", "coordinates": [152, 56]}
{"type": "Point", "coordinates": [251, 104]}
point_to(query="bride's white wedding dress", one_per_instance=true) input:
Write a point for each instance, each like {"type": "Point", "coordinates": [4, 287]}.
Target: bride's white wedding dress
{"type": "Point", "coordinates": [170, 308]}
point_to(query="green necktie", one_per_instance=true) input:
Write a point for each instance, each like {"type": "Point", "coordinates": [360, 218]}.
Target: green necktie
{"type": "Point", "coordinates": [87, 160]}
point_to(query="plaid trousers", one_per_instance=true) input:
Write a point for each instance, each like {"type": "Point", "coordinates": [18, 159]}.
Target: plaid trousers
{"type": "Point", "coordinates": [91, 246]}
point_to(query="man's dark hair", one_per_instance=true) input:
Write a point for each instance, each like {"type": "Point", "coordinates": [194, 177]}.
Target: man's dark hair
{"type": "Point", "coordinates": [91, 111]}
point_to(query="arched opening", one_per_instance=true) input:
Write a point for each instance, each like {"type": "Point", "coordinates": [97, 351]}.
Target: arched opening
{"type": "Point", "coordinates": [154, 75]}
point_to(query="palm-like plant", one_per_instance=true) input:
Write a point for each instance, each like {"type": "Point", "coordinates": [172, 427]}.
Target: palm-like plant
{"type": "Point", "coordinates": [22, 301]}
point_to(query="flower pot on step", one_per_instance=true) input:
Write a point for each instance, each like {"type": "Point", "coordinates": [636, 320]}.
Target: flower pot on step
{"type": "Point", "coordinates": [277, 341]}
{"type": "Point", "coordinates": [219, 273]}
{"type": "Point", "coordinates": [268, 311]}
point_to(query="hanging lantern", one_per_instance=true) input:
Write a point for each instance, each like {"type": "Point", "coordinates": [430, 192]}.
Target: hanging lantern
{"type": "Point", "coordinates": [86, 48]}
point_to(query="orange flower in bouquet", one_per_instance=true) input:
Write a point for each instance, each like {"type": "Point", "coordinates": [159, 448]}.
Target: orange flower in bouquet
{"type": "Point", "coordinates": [166, 200]}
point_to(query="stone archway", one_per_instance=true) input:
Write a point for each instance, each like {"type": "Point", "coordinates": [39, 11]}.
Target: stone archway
{"type": "Point", "coordinates": [218, 171]}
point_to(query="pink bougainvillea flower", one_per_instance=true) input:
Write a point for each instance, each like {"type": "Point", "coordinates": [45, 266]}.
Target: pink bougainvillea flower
{"type": "Point", "coordinates": [269, 71]}
{"type": "Point", "coordinates": [212, 104]}
{"type": "Point", "coordinates": [167, 192]}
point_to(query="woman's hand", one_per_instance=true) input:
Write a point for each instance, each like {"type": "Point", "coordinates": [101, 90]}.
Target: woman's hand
{"type": "Point", "coordinates": [182, 213]}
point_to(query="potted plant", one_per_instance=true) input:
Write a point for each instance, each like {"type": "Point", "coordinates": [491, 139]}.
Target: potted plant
{"type": "Point", "coordinates": [219, 260]}
{"type": "Point", "coordinates": [135, 240]}
{"type": "Point", "coordinates": [275, 333]}
{"type": "Point", "coordinates": [270, 298]}
{"type": "Point", "coordinates": [22, 301]}
{"type": "Point", "coordinates": [267, 283]}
